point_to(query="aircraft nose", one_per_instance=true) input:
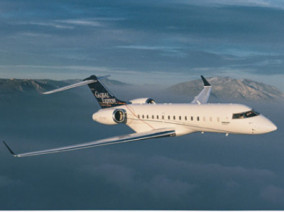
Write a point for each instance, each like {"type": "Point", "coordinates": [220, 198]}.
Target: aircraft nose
{"type": "Point", "coordinates": [272, 127]}
{"type": "Point", "coordinates": [264, 125]}
{"type": "Point", "coordinates": [269, 126]}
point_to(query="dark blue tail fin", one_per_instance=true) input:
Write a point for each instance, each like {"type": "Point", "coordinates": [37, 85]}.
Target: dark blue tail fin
{"type": "Point", "coordinates": [104, 98]}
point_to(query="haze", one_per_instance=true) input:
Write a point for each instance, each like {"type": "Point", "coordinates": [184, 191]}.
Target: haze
{"type": "Point", "coordinates": [149, 42]}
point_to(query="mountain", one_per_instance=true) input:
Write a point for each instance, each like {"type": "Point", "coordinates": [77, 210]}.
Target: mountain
{"type": "Point", "coordinates": [31, 86]}
{"type": "Point", "coordinates": [27, 86]}
{"type": "Point", "coordinates": [225, 88]}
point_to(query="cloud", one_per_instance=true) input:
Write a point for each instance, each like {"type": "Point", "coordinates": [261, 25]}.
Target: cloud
{"type": "Point", "coordinates": [245, 3]}
{"type": "Point", "coordinates": [197, 172]}
{"type": "Point", "coordinates": [6, 181]}
{"type": "Point", "coordinates": [131, 179]}
{"type": "Point", "coordinates": [65, 23]}
{"type": "Point", "coordinates": [173, 51]}
{"type": "Point", "coordinates": [61, 72]}
{"type": "Point", "coordinates": [126, 37]}
{"type": "Point", "coordinates": [273, 194]}
{"type": "Point", "coordinates": [159, 178]}
{"type": "Point", "coordinates": [51, 24]}
{"type": "Point", "coordinates": [215, 170]}
{"type": "Point", "coordinates": [144, 47]}
{"type": "Point", "coordinates": [81, 22]}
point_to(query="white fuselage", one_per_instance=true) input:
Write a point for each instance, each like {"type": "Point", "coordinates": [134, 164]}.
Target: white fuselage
{"type": "Point", "coordinates": [189, 118]}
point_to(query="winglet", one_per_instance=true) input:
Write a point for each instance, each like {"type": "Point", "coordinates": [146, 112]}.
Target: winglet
{"type": "Point", "coordinates": [206, 83]}
{"type": "Point", "coordinates": [10, 150]}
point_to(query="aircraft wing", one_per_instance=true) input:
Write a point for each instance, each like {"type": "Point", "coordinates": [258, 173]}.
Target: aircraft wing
{"type": "Point", "coordinates": [203, 96]}
{"type": "Point", "coordinates": [114, 140]}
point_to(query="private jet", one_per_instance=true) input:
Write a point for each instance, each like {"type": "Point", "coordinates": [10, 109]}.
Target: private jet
{"type": "Point", "coordinates": [153, 120]}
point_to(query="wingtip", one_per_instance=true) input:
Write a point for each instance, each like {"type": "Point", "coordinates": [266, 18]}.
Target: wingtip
{"type": "Point", "coordinates": [205, 82]}
{"type": "Point", "coordinates": [9, 149]}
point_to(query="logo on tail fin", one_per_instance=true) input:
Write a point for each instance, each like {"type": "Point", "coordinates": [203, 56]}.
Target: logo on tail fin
{"type": "Point", "coordinates": [104, 98]}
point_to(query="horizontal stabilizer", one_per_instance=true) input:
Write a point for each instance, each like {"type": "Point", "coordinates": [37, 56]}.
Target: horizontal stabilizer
{"type": "Point", "coordinates": [70, 86]}
{"type": "Point", "coordinates": [85, 82]}
{"type": "Point", "coordinates": [114, 140]}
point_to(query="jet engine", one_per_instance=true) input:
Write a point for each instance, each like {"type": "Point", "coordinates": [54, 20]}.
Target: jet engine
{"type": "Point", "coordinates": [119, 116]}
{"type": "Point", "coordinates": [143, 101]}
{"type": "Point", "coordinates": [110, 116]}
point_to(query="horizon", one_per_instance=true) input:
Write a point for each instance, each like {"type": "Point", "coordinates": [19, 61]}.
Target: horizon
{"type": "Point", "coordinates": [150, 84]}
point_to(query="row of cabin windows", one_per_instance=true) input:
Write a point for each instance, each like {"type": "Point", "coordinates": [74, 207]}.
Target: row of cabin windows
{"type": "Point", "coordinates": [191, 118]}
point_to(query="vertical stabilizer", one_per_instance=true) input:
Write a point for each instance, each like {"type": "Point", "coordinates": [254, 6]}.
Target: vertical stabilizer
{"type": "Point", "coordinates": [104, 98]}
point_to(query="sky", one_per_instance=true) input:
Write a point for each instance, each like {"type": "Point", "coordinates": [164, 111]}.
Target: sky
{"type": "Point", "coordinates": [143, 42]}
{"type": "Point", "coordinates": [156, 42]}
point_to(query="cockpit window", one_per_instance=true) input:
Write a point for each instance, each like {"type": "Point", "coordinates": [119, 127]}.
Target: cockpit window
{"type": "Point", "coordinates": [244, 115]}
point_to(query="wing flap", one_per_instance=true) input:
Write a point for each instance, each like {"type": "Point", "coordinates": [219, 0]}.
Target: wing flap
{"type": "Point", "coordinates": [114, 140]}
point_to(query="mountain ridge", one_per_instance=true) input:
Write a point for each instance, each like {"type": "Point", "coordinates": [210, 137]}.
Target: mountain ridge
{"type": "Point", "coordinates": [31, 86]}
{"type": "Point", "coordinates": [223, 88]}
{"type": "Point", "coordinates": [229, 88]}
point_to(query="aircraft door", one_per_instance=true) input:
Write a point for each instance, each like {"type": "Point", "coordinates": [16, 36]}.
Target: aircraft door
{"type": "Point", "coordinates": [226, 119]}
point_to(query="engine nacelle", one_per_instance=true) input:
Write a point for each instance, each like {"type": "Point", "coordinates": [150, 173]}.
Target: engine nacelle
{"type": "Point", "coordinates": [119, 116]}
{"type": "Point", "coordinates": [143, 101]}
{"type": "Point", "coordinates": [110, 116]}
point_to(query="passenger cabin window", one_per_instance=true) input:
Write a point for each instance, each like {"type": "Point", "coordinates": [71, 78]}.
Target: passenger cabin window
{"type": "Point", "coordinates": [197, 118]}
{"type": "Point", "coordinates": [191, 118]}
{"type": "Point", "coordinates": [169, 117]}
{"type": "Point", "coordinates": [147, 116]}
{"type": "Point", "coordinates": [174, 117]}
{"type": "Point", "coordinates": [153, 117]}
{"type": "Point", "coordinates": [157, 117]}
{"type": "Point", "coordinates": [244, 115]}
{"type": "Point", "coordinates": [163, 117]}
{"type": "Point", "coordinates": [142, 116]}
{"type": "Point", "coordinates": [185, 118]}
{"type": "Point", "coordinates": [179, 117]}
{"type": "Point", "coordinates": [139, 116]}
